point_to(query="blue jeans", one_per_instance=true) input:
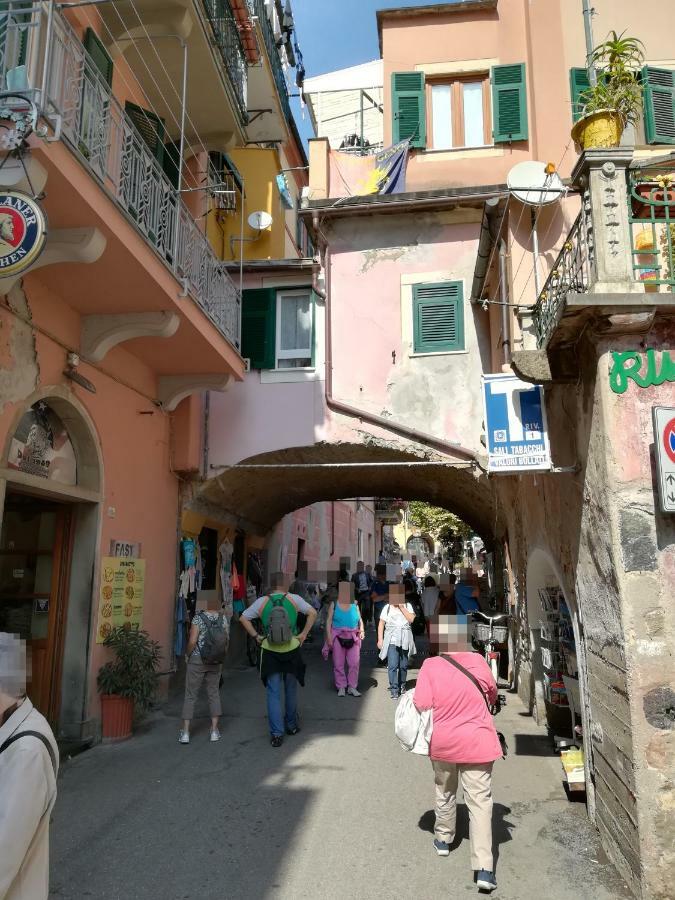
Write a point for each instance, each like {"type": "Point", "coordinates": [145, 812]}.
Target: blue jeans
{"type": "Point", "coordinates": [274, 713]}
{"type": "Point", "coordinates": [397, 664]}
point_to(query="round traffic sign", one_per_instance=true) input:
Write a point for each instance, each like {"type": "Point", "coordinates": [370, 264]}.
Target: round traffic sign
{"type": "Point", "coordinates": [669, 439]}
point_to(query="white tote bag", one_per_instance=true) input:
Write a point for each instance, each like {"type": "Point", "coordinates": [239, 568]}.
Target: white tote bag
{"type": "Point", "coordinates": [411, 727]}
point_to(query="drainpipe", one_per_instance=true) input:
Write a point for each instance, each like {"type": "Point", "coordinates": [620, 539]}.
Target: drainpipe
{"type": "Point", "coordinates": [504, 299]}
{"type": "Point", "coordinates": [420, 437]}
{"type": "Point", "coordinates": [205, 449]}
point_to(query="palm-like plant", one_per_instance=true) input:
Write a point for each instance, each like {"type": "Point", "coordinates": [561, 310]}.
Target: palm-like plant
{"type": "Point", "coordinates": [619, 60]}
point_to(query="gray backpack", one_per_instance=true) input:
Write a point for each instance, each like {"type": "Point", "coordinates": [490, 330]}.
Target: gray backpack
{"type": "Point", "coordinates": [214, 646]}
{"type": "Point", "coordinates": [279, 630]}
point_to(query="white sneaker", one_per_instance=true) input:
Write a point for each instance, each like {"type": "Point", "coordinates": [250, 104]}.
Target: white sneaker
{"type": "Point", "coordinates": [341, 692]}
{"type": "Point", "coordinates": [215, 735]}
{"type": "Point", "coordinates": [183, 737]}
{"type": "Point", "coordinates": [353, 692]}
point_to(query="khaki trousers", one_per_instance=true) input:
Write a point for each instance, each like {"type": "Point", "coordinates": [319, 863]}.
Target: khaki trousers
{"type": "Point", "coordinates": [476, 784]}
{"type": "Point", "coordinates": [196, 673]}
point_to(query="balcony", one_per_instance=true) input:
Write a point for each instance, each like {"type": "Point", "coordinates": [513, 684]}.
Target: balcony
{"type": "Point", "coordinates": [269, 102]}
{"type": "Point", "coordinates": [227, 40]}
{"type": "Point", "coordinates": [42, 58]}
{"type": "Point", "coordinates": [616, 268]}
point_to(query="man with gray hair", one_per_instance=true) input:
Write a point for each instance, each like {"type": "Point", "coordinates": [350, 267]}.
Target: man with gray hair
{"type": "Point", "coordinates": [29, 761]}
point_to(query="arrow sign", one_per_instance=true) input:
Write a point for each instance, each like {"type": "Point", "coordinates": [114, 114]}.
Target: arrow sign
{"type": "Point", "coordinates": [664, 447]}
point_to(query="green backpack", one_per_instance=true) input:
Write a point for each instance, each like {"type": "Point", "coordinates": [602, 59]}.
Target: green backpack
{"type": "Point", "coordinates": [279, 619]}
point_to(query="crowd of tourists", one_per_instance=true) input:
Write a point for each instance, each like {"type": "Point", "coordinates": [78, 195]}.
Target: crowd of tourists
{"type": "Point", "coordinates": [455, 691]}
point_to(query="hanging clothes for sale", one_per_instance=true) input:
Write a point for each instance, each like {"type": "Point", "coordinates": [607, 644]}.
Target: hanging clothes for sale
{"type": "Point", "coordinates": [238, 591]}
{"type": "Point", "coordinates": [225, 552]}
{"type": "Point", "coordinates": [181, 626]}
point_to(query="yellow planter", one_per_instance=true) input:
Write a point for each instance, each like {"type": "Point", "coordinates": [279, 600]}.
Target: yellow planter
{"type": "Point", "coordinates": [644, 240]}
{"type": "Point", "coordinates": [599, 129]}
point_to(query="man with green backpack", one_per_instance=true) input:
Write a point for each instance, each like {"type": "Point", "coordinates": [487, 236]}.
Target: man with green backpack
{"type": "Point", "coordinates": [281, 662]}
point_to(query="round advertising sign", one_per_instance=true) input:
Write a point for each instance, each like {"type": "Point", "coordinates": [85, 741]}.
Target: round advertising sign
{"type": "Point", "coordinates": [669, 440]}
{"type": "Point", "coordinates": [23, 230]}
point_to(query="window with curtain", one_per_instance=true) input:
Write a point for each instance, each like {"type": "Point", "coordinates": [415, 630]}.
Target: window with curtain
{"type": "Point", "coordinates": [294, 329]}
{"type": "Point", "coordinates": [459, 111]}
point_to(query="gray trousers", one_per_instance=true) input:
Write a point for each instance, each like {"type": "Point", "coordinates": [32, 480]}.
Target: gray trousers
{"type": "Point", "coordinates": [196, 673]}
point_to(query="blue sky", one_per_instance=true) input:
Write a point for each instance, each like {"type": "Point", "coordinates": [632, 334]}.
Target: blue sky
{"type": "Point", "coordinates": [334, 34]}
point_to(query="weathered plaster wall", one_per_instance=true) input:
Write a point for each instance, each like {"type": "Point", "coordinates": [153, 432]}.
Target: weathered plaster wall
{"type": "Point", "coordinates": [613, 558]}
{"type": "Point", "coordinates": [139, 492]}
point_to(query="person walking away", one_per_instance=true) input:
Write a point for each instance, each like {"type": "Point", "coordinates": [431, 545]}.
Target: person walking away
{"type": "Point", "coordinates": [395, 639]}
{"type": "Point", "coordinates": [344, 634]}
{"type": "Point", "coordinates": [299, 586]}
{"type": "Point", "coordinates": [467, 593]}
{"type": "Point", "coordinates": [430, 595]}
{"type": "Point", "coordinates": [362, 584]}
{"type": "Point", "coordinates": [446, 596]}
{"type": "Point", "coordinates": [464, 742]}
{"type": "Point", "coordinates": [379, 593]}
{"type": "Point", "coordinates": [29, 763]}
{"type": "Point", "coordinates": [205, 653]}
{"type": "Point", "coordinates": [281, 663]}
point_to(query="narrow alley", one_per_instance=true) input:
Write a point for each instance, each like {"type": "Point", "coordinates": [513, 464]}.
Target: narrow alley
{"type": "Point", "coordinates": [339, 811]}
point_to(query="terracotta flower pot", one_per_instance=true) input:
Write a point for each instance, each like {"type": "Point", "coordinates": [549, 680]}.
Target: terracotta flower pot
{"type": "Point", "coordinates": [647, 277]}
{"type": "Point", "coordinates": [652, 202]}
{"type": "Point", "coordinates": [117, 715]}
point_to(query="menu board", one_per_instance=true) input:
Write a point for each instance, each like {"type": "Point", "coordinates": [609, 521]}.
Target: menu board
{"type": "Point", "coordinates": [121, 595]}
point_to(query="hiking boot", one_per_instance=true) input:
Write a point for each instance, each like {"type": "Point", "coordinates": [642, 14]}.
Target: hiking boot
{"type": "Point", "coordinates": [341, 692]}
{"type": "Point", "coordinates": [215, 735]}
{"type": "Point", "coordinates": [294, 730]}
{"type": "Point", "coordinates": [183, 737]}
{"type": "Point", "coordinates": [276, 740]}
{"type": "Point", "coordinates": [442, 848]}
{"type": "Point", "coordinates": [353, 692]}
{"type": "Point", "coordinates": [485, 880]}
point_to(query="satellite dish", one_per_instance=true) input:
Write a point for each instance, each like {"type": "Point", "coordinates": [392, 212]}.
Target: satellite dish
{"type": "Point", "coordinates": [260, 220]}
{"type": "Point", "coordinates": [529, 182]}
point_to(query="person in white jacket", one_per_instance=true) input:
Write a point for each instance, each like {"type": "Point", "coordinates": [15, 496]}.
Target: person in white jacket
{"type": "Point", "coordinates": [29, 761]}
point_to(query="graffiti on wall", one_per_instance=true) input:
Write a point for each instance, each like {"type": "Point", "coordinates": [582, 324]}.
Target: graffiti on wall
{"type": "Point", "coordinates": [642, 367]}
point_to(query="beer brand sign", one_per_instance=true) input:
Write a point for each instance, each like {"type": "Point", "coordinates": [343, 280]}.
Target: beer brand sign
{"type": "Point", "coordinates": [23, 230]}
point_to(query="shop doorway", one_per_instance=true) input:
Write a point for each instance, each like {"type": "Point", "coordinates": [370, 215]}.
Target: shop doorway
{"type": "Point", "coordinates": [35, 555]}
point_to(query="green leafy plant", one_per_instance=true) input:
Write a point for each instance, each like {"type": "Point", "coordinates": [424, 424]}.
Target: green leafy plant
{"type": "Point", "coordinates": [618, 61]}
{"type": "Point", "coordinates": [133, 672]}
{"type": "Point", "coordinates": [442, 525]}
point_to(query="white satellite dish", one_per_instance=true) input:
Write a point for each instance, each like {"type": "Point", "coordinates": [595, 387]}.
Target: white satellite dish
{"type": "Point", "coordinates": [260, 220]}
{"type": "Point", "coordinates": [529, 182]}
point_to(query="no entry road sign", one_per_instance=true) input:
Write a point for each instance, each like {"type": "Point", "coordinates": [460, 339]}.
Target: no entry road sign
{"type": "Point", "coordinates": [664, 441]}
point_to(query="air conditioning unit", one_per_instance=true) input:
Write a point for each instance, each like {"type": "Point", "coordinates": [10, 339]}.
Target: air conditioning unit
{"type": "Point", "coordinates": [247, 364]}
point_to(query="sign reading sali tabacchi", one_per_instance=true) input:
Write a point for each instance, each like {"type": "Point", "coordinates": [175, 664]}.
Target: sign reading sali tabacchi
{"type": "Point", "coordinates": [23, 230]}
{"type": "Point", "coordinates": [515, 425]}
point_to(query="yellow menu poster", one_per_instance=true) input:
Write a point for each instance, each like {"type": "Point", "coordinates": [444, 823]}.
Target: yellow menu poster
{"type": "Point", "coordinates": [121, 595]}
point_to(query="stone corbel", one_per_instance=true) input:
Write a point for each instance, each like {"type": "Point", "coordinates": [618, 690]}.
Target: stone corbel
{"type": "Point", "coordinates": [64, 245]}
{"type": "Point", "coordinates": [174, 388]}
{"type": "Point", "coordinates": [100, 333]}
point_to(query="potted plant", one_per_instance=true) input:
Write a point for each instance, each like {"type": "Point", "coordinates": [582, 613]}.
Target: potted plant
{"type": "Point", "coordinates": [652, 194]}
{"type": "Point", "coordinates": [615, 101]}
{"type": "Point", "coordinates": [127, 683]}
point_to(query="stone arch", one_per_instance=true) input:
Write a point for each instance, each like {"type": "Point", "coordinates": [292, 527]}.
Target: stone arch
{"type": "Point", "coordinates": [260, 497]}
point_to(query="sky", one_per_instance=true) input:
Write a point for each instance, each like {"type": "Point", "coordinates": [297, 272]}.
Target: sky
{"type": "Point", "coordinates": [334, 34]}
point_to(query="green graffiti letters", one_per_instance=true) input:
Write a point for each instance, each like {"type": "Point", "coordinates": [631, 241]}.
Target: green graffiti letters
{"type": "Point", "coordinates": [627, 366]}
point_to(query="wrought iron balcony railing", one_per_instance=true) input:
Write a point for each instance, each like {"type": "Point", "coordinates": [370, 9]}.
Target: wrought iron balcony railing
{"type": "Point", "coordinates": [651, 213]}
{"type": "Point", "coordinates": [42, 58]}
{"type": "Point", "coordinates": [258, 9]}
{"type": "Point", "coordinates": [571, 272]}
{"type": "Point", "coordinates": [228, 42]}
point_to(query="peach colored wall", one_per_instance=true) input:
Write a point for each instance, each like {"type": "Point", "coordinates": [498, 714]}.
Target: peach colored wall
{"type": "Point", "coordinates": [314, 525]}
{"type": "Point", "coordinates": [134, 438]}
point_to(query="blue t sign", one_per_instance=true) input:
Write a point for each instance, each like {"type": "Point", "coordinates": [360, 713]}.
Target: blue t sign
{"type": "Point", "coordinates": [515, 425]}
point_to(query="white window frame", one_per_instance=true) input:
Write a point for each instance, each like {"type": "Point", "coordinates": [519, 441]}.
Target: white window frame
{"type": "Point", "coordinates": [298, 353]}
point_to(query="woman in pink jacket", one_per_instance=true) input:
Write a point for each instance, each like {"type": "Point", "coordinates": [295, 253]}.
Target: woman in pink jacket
{"type": "Point", "coordinates": [464, 742]}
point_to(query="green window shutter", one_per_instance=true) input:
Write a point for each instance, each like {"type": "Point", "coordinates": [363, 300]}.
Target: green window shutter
{"type": "Point", "coordinates": [578, 84]}
{"type": "Point", "coordinates": [408, 105]}
{"type": "Point", "coordinates": [259, 327]}
{"type": "Point", "coordinates": [659, 103]}
{"type": "Point", "coordinates": [170, 161]}
{"type": "Point", "coordinates": [149, 127]}
{"type": "Point", "coordinates": [509, 103]}
{"type": "Point", "coordinates": [98, 55]}
{"type": "Point", "coordinates": [438, 317]}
